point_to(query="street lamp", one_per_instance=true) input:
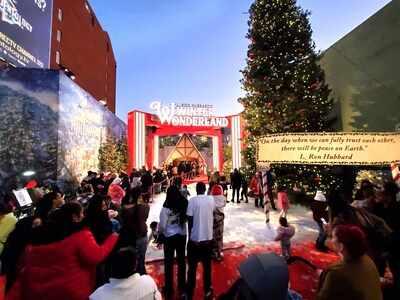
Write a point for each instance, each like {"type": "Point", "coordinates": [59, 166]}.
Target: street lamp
{"type": "Point", "coordinates": [28, 173]}
{"type": "Point", "coordinates": [103, 102]}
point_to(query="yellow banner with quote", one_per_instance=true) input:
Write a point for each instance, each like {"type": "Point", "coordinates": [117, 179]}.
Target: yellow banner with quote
{"type": "Point", "coordinates": [329, 148]}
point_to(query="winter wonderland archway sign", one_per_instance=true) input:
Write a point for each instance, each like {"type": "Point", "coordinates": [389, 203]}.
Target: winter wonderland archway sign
{"type": "Point", "coordinates": [144, 130]}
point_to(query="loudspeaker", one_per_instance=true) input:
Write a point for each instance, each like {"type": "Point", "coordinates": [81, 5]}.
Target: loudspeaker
{"type": "Point", "coordinates": [225, 131]}
{"type": "Point", "coordinates": [266, 275]}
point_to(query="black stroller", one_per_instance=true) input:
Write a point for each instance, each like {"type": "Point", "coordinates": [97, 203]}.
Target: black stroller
{"type": "Point", "coordinates": [263, 276]}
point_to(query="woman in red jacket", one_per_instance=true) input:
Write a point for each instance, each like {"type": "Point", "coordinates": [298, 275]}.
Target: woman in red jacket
{"type": "Point", "coordinates": [61, 260]}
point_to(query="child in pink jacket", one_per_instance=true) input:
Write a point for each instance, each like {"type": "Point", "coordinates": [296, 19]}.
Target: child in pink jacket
{"type": "Point", "coordinates": [283, 201]}
{"type": "Point", "coordinates": [283, 234]}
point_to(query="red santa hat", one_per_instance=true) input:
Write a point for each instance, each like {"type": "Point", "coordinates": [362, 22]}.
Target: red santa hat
{"type": "Point", "coordinates": [216, 190]}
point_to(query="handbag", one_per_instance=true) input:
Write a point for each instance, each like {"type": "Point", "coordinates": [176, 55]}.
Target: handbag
{"type": "Point", "coordinates": [380, 235]}
{"type": "Point", "coordinates": [160, 239]}
{"type": "Point", "coordinates": [381, 239]}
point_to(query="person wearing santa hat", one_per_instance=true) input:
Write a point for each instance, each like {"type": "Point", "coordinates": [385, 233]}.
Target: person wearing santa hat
{"type": "Point", "coordinates": [218, 221]}
{"type": "Point", "coordinates": [320, 215]}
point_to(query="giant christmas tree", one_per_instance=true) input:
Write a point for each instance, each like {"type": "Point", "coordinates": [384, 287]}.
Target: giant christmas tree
{"type": "Point", "coordinates": [285, 88]}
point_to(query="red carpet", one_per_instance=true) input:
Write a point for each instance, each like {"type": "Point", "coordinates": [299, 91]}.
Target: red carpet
{"type": "Point", "coordinates": [303, 279]}
{"type": "Point", "coordinates": [2, 285]}
{"type": "Point", "coordinates": [201, 177]}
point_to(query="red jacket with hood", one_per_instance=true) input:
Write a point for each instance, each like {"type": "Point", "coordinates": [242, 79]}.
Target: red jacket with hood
{"type": "Point", "coordinates": [64, 269]}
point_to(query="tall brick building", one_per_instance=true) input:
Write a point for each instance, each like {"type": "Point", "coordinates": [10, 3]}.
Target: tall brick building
{"type": "Point", "coordinates": [78, 44]}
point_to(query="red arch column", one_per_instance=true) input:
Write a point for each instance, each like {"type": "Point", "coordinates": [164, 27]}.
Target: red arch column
{"type": "Point", "coordinates": [150, 149]}
{"type": "Point", "coordinates": [221, 152]}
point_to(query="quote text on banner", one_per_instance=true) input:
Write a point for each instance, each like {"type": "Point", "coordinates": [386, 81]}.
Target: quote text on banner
{"type": "Point", "coordinates": [341, 148]}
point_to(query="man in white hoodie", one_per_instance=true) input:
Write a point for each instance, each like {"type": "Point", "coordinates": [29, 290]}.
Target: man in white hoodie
{"type": "Point", "coordinates": [125, 283]}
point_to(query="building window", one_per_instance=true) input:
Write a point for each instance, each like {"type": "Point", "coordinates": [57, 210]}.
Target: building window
{"type": "Point", "coordinates": [58, 57]}
{"type": "Point", "coordinates": [60, 14]}
{"type": "Point", "coordinates": [108, 47]}
{"type": "Point", "coordinates": [59, 36]}
{"type": "Point", "coordinates": [106, 88]}
{"type": "Point", "coordinates": [87, 7]}
{"type": "Point", "coordinates": [106, 60]}
{"type": "Point", "coordinates": [92, 19]}
{"type": "Point", "coordinates": [106, 75]}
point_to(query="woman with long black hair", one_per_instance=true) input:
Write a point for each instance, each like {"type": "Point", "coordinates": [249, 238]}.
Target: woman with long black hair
{"type": "Point", "coordinates": [61, 260]}
{"type": "Point", "coordinates": [133, 231]}
{"type": "Point", "coordinates": [173, 226]}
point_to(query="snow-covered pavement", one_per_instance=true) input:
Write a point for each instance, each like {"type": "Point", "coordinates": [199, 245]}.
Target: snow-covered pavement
{"type": "Point", "coordinates": [245, 224]}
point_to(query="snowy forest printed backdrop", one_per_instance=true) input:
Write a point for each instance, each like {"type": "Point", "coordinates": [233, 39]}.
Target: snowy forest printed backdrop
{"type": "Point", "coordinates": [48, 124]}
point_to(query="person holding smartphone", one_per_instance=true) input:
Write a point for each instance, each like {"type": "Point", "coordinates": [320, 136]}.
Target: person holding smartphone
{"type": "Point", "coordinates": [320, 215]}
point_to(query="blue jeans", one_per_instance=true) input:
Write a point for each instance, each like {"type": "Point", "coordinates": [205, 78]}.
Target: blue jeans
{"type": "Point", "coordinates": [285, 247]}
{"type": "Point", "coordinates": [322, 235]}
{"type": "Point", "coordinates": [141, 243]}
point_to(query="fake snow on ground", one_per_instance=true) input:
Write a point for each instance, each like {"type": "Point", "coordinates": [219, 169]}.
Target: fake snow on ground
{"type": "Point", "coordinates": [245, 224]}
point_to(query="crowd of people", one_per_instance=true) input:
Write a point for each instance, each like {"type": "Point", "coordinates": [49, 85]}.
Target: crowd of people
{"type": "Point", "coordinates": [67, 249]}
{"type": "Point", "coordinates": [94, 245]}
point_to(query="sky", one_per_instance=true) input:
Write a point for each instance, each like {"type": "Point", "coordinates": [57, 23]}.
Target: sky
{"type": "Point", "coordinates": [191, 51]}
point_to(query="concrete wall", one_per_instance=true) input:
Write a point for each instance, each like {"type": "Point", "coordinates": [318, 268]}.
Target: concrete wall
{"type": "Point", "coordinates": [363, 71]}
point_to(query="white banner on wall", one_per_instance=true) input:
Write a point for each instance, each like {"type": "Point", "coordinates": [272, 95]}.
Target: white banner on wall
{"type": "Point", "coordinates": [328, 148]}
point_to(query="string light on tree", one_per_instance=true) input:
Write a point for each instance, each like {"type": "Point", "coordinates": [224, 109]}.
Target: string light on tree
{"type": "Point", "coordinates": [285, 87]}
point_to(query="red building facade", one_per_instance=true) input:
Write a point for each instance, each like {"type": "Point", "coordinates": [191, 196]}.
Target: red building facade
{"type": "Point", "coordinates": [60, 34]}
{"type": "Point", "coordinates": [81, 47]}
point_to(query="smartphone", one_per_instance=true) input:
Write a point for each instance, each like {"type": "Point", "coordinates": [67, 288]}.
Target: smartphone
{"type": "Point", "coordinates": [323, 221]}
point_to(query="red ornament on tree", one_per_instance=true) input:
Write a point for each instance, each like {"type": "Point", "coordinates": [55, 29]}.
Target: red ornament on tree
{"type": "Point", "coordinates": [251, 55]}
{"type": "Point", "coordinates": [269, 103]}
{"type": "Point", "coordinates": [251, 38]}
{"type": "Point", "coordinates": [303, 110]}
{"type": "Point", "coordinates": [317, 179]}
{"type": "Point", "coordinates": [273, 118]}
{"type": "Point", "coordinates": [265, 77]}
{"type": "Point", "coordinates": [299, 50]}
{"type": "Point", "coordinates": [314, 86]}
{"type": "Point", "coordinates": [297, 124]}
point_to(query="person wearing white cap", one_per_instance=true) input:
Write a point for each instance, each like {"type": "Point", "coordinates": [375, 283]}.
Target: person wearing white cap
{"type": "Point", "coordinates": [320, 216]}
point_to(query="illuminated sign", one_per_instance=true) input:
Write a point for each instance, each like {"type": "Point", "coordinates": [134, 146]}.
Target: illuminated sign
{"type": "Point", "coordinates": [329, 148]}
{"type": "Point", "coordinates": [25, 31]}
{"type": "Point", "coordinates": [188, 115]}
